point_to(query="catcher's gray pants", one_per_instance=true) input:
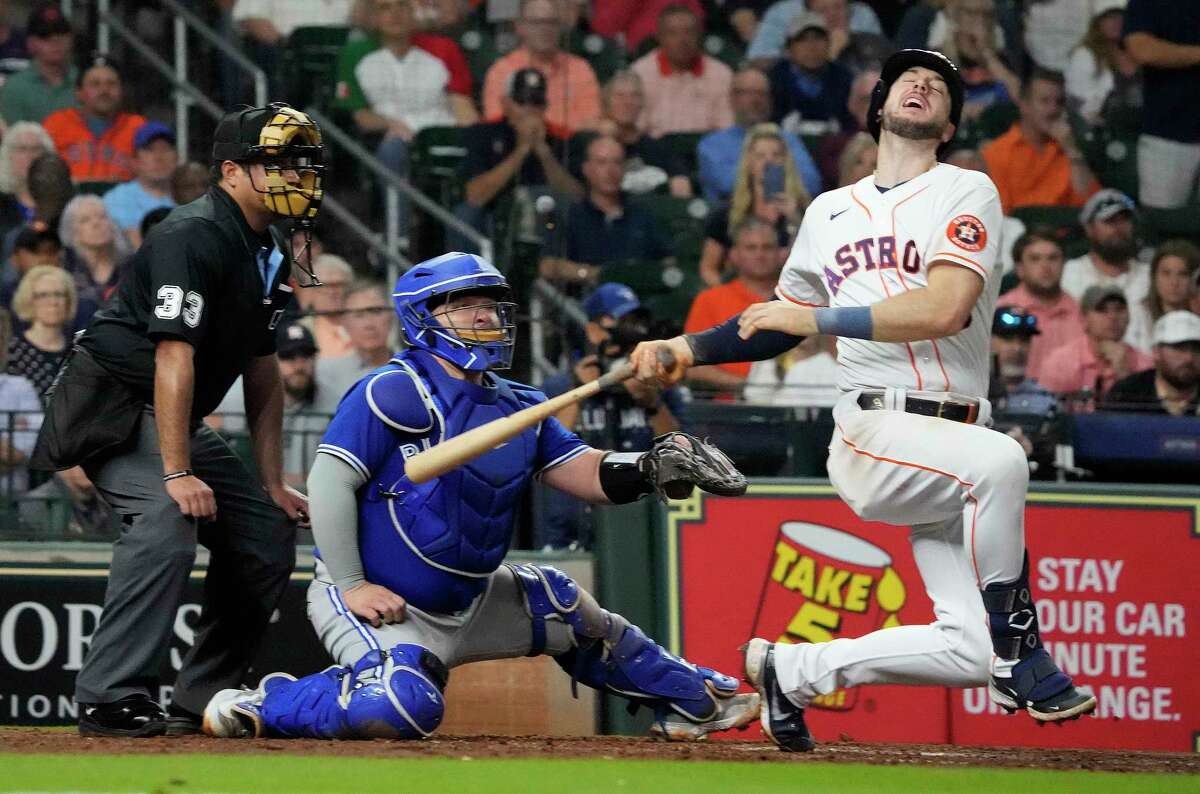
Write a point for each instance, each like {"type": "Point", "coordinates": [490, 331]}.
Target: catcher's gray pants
{"type": "Point", "coordinates": [495, 626]}
{"type": "Point", "coordinates": [252, 545]}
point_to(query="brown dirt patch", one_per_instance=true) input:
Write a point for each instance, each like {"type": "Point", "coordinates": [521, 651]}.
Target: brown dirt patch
{"type": "Point", "coordinates": [36, 740]}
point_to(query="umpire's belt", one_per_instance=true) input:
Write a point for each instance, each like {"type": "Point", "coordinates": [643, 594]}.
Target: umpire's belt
{"type": "Point", "coordinates": [954, 410]}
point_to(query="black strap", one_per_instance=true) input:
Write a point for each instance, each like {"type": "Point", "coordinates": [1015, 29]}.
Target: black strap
{"type": "Point", "coordinates": [941, 409]}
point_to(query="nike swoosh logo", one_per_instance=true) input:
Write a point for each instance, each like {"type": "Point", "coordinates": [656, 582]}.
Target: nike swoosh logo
{"type": "Point", "coordinates": [833, 215]}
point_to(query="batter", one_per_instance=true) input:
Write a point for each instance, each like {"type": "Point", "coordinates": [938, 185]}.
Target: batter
{"type": "Point", "coordinates": [903, 267]}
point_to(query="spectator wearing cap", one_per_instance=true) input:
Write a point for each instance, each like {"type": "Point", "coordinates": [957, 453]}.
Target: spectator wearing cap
{"type": "Point", "coordinates": [1038, 258]}
{"type": "Point", "coordinates": [755, 259]}
{"type": "Point", "coordinates": [96, 139]}
{"type": "Point", "coordinates": [810, 91]}
{"type": "Point", "coordinates": [36, 244]}
{"type": "Point", "coordinates": [1173, 270]}
{"type": "Point", "coordinates": [522, 148]}
{"type": "Point", "coordinates": [48, 83]}
{"type": "Point", "coordinates": [719, 151]}
{"type": "Point", "coordinates": [412, 82]}
{"type": "Point", "coordinates": [154, 161]}
{"type": "Point", "coordinates": [1014, 388]}
{"type": "Point", "coordinates": [635, 20]}
{"type": "Point", "coordinates": [572, 91]}
{"type": "Point", "coordinates": [604, 227]}
{"type": "Point", "coordinates": [1164, 39]}
{"type": "Point", "coordinates": [1108, 222]}
{"type": "Point", "coordinates": [770, 39]}
{"type": "Point", "coordinates": [650, 163]}
{"type": "Point", "coordinates": [51, 188]}
{"type": "Point", "coordinates": [1037, 162]}
{"type": "Point", "coordinates": [306, 407]}
{"type": "Point", "coordinates": [1173, 385]}
{"type": "Point", "coordinates": [686, 90]}
{"type": "Point", "coordinates": [1099, 359]}
{"type": "Point", "coordinates": [1013, 391]}
{"type": "Point", "coordinates": [625, 418]}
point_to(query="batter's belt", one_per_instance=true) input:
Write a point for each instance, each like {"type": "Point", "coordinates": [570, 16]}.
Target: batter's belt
{"type": "Point", "coordinates": [954, 410]}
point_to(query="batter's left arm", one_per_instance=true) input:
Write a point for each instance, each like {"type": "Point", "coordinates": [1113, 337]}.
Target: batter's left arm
{"type": "Point", "coordinates": [941, 309]}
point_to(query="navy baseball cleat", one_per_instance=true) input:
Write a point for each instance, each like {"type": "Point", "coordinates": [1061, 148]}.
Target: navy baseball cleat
{"type": "Point", "coordinates": [782, 720]}
{"type": "Point", "coordinates": [1037, 685]}
{"type": "Point", "coordinates": [134, 717]}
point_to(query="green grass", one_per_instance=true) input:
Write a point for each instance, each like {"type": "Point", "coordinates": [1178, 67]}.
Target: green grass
{"type": "Point", "coordinates": [262, 773]}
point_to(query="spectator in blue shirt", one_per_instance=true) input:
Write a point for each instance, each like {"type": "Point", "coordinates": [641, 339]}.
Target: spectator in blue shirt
{"type": "Point", "coordinates": [810, 91]}
{"type": "Point", "coordinates": [719, 151]}
{"type": "Point", "coordinates": [604, 227]}
{"type": "Point", "coordinates": [154, 162]}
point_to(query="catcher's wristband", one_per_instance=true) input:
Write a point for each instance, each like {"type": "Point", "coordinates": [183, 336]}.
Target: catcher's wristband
{"type": "Point", "coordinates": [175, 475]}
{"type": "Point", "coordinates": [622, 478]}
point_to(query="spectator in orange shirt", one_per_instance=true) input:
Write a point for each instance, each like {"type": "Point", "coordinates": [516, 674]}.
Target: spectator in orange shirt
{"type": "Point", "coordinates": [686, 90]}
{"type": "Point", "coordinates": [1098, 359]}
{"type": "Point", "coordinates": [96, 139]}
{"type": "Point", "coordinates": [1039, 265]}
{"type": "Point", "coordinates": [572, 92]}
{"type": "Point", "coordinates": [1038, 162]}
{"type": "Point", "coordinates": [755, 259]}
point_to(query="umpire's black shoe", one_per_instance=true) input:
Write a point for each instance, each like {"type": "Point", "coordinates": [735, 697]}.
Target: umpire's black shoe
{"type": "Point", "coordinates": [782, 720]}
{"type": "Point", "coordinates": [135, 716]}
{"type": "Point", "coordinates": [181, 722]}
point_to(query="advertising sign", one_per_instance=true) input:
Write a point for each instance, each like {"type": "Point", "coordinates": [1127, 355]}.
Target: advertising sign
{"type": "Point", "coordinates": [1114, 576]}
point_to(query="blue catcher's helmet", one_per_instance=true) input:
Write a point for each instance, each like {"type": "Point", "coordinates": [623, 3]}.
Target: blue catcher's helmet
{"type": "Point", "coordinates": [430, 284]}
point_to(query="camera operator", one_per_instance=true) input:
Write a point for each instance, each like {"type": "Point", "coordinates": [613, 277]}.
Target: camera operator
{"type": "Point", "coordinates": [625, 418]}
{"type": "Point", "coordinates": [1021, 407]}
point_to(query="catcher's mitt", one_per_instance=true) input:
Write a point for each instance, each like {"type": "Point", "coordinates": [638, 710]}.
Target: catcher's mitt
{"type": "Point", "coordinates": [679, 461]}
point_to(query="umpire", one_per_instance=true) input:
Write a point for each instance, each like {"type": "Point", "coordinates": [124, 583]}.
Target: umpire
{"type": "Point", "coordinates": [197, 308]}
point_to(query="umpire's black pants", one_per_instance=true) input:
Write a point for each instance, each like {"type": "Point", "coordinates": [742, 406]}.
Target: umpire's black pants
{"type": "Point", "coordinates": [252, 545]}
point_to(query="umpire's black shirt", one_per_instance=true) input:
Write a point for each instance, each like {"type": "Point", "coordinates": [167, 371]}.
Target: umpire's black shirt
{"type": "Point", "coordinates": [203, 276]}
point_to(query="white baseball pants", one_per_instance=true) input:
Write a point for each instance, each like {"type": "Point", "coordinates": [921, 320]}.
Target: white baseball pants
{"type": "Point", "coordinates": [961, 488]}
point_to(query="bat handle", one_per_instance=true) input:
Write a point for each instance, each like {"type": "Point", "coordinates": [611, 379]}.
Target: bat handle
{"type": "Point", "coordinates": [626, 371]}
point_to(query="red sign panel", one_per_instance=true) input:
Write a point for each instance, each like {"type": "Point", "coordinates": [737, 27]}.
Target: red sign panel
{"type": "Point", "coordinates": [1116, 586]}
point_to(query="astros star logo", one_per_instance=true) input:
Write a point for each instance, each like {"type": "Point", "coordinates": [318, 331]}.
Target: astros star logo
{"type": "Point", "coordinates": [967, 232]}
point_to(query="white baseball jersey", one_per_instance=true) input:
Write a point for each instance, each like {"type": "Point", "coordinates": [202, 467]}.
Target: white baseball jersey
{"type": "Point", "coordinates": [858, 246]}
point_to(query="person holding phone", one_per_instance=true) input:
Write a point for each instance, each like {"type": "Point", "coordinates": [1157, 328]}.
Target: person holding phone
{"type": "Point", "coordinates": [767, 187]}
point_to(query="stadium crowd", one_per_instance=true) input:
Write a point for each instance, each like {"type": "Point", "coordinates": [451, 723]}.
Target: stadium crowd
{"type": "Point", "coordinates": [681, 142]}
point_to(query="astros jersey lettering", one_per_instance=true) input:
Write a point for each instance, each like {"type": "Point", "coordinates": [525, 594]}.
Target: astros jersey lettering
{"type": "Point", "coordinates": [859, 246]}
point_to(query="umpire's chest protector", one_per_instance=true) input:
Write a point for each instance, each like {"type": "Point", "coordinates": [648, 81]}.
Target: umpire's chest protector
{"type": "Point", "coordinates": [441, 539]}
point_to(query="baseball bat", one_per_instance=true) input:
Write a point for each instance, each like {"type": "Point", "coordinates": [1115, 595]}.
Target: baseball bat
{"type": "Point", "coordinates": [439, 459]}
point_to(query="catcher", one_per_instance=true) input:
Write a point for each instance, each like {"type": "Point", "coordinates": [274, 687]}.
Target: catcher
{"type": "Point", "coordinates": [409, 578]}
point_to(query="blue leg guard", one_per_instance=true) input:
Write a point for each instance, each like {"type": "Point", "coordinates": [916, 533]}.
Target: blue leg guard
{"type": "Point", "coordinates": [612, 655]}
{"type": "Point", "coordinates": [393, 694]}
{"type": "Point", "coordinates": [1012, 617]}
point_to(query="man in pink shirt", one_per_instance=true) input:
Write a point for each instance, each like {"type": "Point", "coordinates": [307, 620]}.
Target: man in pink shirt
{"type": "Point", "coordinates": [686, 91]}
{"type": "Point", "coordinates": [1039, 265]}
{"type": "Point", "coordinates": [572, 92]}
{"type": "Point", "coordinates": [1098, 359]}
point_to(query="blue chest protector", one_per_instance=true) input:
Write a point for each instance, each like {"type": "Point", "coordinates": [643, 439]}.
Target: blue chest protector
{"type": "Point", "coordinates": [436, 543]}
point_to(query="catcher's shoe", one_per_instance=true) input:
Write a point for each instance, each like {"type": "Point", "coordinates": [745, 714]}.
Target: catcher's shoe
{"type": "Point", "coordinates": [1037, 685]}
{"type": "Point", "coordinates": [782, 720]}
{"type": "Point", "coordinates": [732, 711]}
{"type": "Point", "coordinates": [233, 713]}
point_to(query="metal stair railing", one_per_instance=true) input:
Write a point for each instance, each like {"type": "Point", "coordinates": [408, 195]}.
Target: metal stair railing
{"type": "Point", "coordinates": [395, 262]}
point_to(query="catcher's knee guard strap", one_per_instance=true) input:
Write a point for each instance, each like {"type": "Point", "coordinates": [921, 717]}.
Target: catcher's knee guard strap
{"type": "Point", "coordinates": [1012, 617]}
{"type": "Point", "coordinates": [622, 478]}
{"type": "Point", "coordinates": [638, 668]}
{"type": "Point", "coordinates": [549, 593]}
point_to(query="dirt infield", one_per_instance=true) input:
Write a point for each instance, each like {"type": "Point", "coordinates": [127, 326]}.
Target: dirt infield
{"type": "Point", "coordinates": [34, 740]}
